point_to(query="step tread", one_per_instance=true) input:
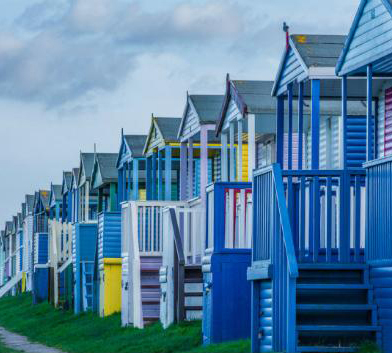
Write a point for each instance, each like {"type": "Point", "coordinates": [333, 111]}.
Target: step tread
{"type": "Point", "coordinates": [342, 307]}
{"type": "Point", "coordinates": [150, 301]}
{"type": "Point", "coordinates": [332, 266]}
{"type": "Point", "coordinates": [193, 294]}
{"type": "Point", "coordinates": [193, 307]}
{"type": "Point", "coordinates": [332, 286]}
{"type": "Point", "coordinates": [303, 349]}
{"type": "Point", "coordinates": [338, 328]}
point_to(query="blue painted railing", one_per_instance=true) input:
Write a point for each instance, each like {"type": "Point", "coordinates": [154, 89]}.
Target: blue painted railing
{"type": "Point", "coordinates": [273, 245]}
{"type": "Point", "coordinates": [379, 211]}
{"type": "Point", "coordinates": [327, 214]}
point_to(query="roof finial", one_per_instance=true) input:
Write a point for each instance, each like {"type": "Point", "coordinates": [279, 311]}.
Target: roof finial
{"type": "Point", "coordinates": [122, 132]}
{"type": "Point", "coordinates": [286, 30]}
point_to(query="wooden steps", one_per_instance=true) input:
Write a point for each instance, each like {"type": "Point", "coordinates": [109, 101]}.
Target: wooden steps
{"type": "Point", "coordinates": [150, 288]}
{"type": "Point", "coordinates": [335, 310]}
{"type": "Point", "coordinates": [193, 292]}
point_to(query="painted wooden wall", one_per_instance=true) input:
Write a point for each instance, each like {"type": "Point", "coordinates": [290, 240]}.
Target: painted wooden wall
{"type": "Point", "coordinates": [366, 46]}
{"type": "Point", "coordinates": [191, 123]}
{"type": "Point", "coordinates": [381, 279]}
{"type": "Point", "coordinates": [292, 70]}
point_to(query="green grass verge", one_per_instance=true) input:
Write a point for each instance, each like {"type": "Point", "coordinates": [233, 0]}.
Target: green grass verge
{"type": "Point", "coordinates": [88, 333]}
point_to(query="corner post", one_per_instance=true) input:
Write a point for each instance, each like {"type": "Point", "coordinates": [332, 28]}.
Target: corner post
{"type": "Point", "coordinates": [300, 123]}
{"type": "Point", "coordinates": [232, 152]}
{"type": "Point", "coordinates": [160, 176]}
{"type": "Point", "coordinates": [290, 132]}
{"type": "Point", "coordinates": [135, 178]}
{"type": "Point", "coordinates": [148, 178]}
{"type": "Point", "coordinates": [224, 157]}
{"type": "Point", "coordinates": [154, 176]}
{"type": "Point", "coordinates": [190, 168]}
{"type": "Point", "coordinates": [239, 149]}
{"type": "Point", "coordinates": [203, 163]}
{"type": "Point", "coordinates": [344, 120]}
{"type": "Point", "coordinates": [251, 145]}
{"type": "Point", "coordinates": [280, 130]}
{"type": "Point", "coordinates": [183, 171]}
{"type": "Point", "coordinates": [315, 124]}
{"type": "Point", "coordinates": [369, 112]}
{"type": "Point", "coordinates": [168, 172]}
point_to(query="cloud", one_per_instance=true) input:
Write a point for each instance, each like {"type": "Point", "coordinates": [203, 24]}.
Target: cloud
{"type": "Point", "coordinates": [66, 50]}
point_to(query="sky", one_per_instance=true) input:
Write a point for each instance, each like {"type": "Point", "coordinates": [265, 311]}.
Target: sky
{"type": "Point", "coordinates": [74, 72]}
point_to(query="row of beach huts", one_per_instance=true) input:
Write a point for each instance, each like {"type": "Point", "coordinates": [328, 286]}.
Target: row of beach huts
{"type": "Point", "coordinates": [265, 212]}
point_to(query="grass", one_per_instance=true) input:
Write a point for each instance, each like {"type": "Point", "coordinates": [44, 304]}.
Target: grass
{"type": "Point", "coordinates": [89, 333]}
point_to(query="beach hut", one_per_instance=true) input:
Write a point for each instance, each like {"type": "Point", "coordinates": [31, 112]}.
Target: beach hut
{"type": "Point", "coordinates": [131, 165]}
{"type": "Point", "coordinates": [84, 234]}
{"type": "Point", "coordinates": [28, 232]}
{"type": "Point", "coordinates": [108, 252]}
{"type": "Point", "coordinates": [64, 297]}
{"type": "Point", "coordinates": [141, 227]}
{"type": "Point", "coordinates": [308, 214]}
{"type": "Point", "coordinates": [366, 57]}
{"type": "Point", "coordinates": [184, 227]}
{"type": "Point", "coordinates": [40, 246]}
{"type": "Point", "coordinates": [54, 239]}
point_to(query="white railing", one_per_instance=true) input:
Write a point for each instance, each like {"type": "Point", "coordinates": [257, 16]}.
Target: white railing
{"type": "Point", "coordinates": [191, 225]}
{"type": "Point", "coordinates": [142, 235]}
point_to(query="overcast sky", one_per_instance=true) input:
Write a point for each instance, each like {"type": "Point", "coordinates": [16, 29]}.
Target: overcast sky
{"type": "Point", "coordinates": [74, 72]}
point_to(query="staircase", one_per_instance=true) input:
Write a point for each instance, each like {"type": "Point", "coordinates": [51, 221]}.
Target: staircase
{"type": "Point", "coordinates": [87, 283]}
{"type": "Point", "coordinates": [10, 284]}
{"type": "Point", "coordinates": [150, 287]}
{"type": "Point", "coordinates": [193, 292]}
{"type": "Point", "coordinates": [335, 310]}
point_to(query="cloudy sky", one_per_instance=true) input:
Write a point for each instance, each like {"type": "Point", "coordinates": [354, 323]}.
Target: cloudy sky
{"type": "Point", "coordinates": [74, 72]}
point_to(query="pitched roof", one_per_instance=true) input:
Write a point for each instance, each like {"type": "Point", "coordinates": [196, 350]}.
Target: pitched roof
{"type": "Point", "coordinates": [168, 127]}
{"type": "Point", "coordinates": [252, 97]}
{"type": "Point", "coordinates": [8, 226]}
{"type": "Point", "coordinates": [319, 50]}
{"type": "Point", "coordinates": [75, 176]}
{"type": "Point", "coordinates": [106, 162]}
{"type": "Point", "coordinates": [56, 189]}
{"type": "Point", "coordinates": [87, 160]}
{"type": "Point", "coordinates": [67, 179]}
{"type": "Point", "coordinates": [30, 203]}
{"type": "Point", "coordinates": [136, 144]}
{"type": "Point", "coordinates": [207, 107]}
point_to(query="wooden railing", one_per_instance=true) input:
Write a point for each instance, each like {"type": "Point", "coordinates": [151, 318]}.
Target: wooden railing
{"type": "Point", "coordinates": [327, 214]}
{"type": "Point", "coordinates": [233, 202]}
{"type": "Point", "coordinates": [273, 245]}
{"type": "Point", "coordinates": [142, 235]}
{"type": "Point", "coordinates": [379, 211]}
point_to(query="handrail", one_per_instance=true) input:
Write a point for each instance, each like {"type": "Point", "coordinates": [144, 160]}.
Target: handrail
{"type": "Point", "coordinates": [179, 272]}
{"type": "Point", "coordinates": [177, 237]}
{"type": "Point", "coordinates": [285, 221]}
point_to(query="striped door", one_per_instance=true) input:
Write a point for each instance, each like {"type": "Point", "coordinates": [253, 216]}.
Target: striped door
{"type": "Point", "coordinates": [388, 123]}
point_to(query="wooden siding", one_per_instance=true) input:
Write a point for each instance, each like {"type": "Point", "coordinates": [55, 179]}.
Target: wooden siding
{"type": "Point", "coordinates": [380, 123]}
{"type": "Point", "coordinates": [372, 37]}
{"type": "Point", "coordinates": [232, 114]}
{"type": "Point", "coordinates": [264, 154]}
{"type": "Point", "coordinates": [155, 140]}
{"type": "Point", "coordinates": [291, 71]}
{"type": "Point", "coordinates": [388, 123]}
{"type": "Point", "coordinates": [191, 123]}
{"type": "Point", "coordinates": [381, 279]}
